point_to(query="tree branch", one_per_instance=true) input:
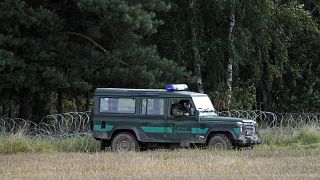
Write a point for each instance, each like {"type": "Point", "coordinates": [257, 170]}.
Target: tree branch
{"type": "Point", "coordinates": [96, 44]}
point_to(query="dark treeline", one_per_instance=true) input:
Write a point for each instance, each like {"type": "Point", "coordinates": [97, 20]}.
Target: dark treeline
{"type": "Point", "coordinates": [245, 54]}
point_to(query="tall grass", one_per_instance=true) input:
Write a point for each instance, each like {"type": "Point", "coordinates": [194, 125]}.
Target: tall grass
{"type": "Point", "coordinates": [19, 143]}
{"type": "Point", "coordinates": [305, 138]}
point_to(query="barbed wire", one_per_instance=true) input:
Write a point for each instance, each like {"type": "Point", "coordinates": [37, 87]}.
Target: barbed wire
{"type": "Point", "coordinates": [55, 125]}
{"type": "Point", "coordinates": [276, 120]}
{"type": "Point", "coordinates": [68, 131]}
{"type": "Point", "coordinates": [72, 129]}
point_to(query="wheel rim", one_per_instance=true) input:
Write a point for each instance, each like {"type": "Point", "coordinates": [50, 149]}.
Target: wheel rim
{"type": "Point", "coordinates": [123, 145]}
{"type": "Point", "coordinates": [218, 145]}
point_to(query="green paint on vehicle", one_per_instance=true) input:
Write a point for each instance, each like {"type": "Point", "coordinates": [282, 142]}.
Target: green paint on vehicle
{"type": "Point", "coordinates": [169, 129]}
{"type": "Point", "coordinates": [97, 127]}
{"type": "Point", "coordinates": [182, 130]}
{"type": "Point", "coordinates": [149, 129]}
{"type": "Point", "coordinates": [236, 130]}
{"type": "Point", "coordinates": [199, 130]}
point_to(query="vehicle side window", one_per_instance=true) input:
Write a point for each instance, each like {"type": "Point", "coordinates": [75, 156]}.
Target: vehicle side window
{"type": "Point", "coordinates": [153, 107]}
{"type": "Point", "coordinates": [117, 105]}
{"type": "Point", "coordinates": [181, 107]}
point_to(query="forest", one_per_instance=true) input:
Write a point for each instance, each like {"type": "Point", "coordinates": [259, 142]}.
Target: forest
{"type": "Point", "coordinates": [245, 54]}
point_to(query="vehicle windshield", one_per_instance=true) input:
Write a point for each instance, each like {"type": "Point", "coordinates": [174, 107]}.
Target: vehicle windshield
{"type": "Point", "coordinates": [204, 105]}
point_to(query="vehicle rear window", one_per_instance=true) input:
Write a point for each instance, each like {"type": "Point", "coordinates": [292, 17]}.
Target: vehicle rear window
{"type": "Point", "coordinates": [117, 105]}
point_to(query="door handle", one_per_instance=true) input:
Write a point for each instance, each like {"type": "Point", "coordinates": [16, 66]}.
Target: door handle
{"type": "Point", "coordinates": [172, 125]}
{"type": "Point", "coordinates": [145, 124]}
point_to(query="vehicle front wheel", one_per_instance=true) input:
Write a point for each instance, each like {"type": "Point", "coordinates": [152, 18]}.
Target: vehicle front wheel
{"type": "Point", "coordinates": [124, 142]}
{"type": "Point", "coordinates": [219, 142]}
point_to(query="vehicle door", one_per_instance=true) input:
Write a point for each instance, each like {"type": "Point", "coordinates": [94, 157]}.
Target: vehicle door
{"type": "Point", "coordinates": [153, 119]}
{"type": "Point", "coordinates": [183, 126]}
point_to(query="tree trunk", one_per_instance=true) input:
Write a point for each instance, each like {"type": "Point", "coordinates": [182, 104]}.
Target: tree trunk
{"type": "Point", "coordinates": [87, 100]}
{"type": "Point", "coordinates": [40, 105]}
{"type": "Point", "coordinates": [59, 101]}
{"type": "Point", "coordinates": [10, 108]}
{"type": "Point", "coordinates": [308, 4]}
{"type": "Point", "coordinates": [265, 88]}
{"type": "Point", "coordinates": [59, 106]}
{"type": "Point", "coordinates": [5, 103]}
{"type": "Point", "coordinates": [194, 5]}
{"type": "Point", "coordinates": [78, 103]}
{"type": "Point", "coordinates": [230, 49]}
{"type": "Point", "coordinates": [26, 104]}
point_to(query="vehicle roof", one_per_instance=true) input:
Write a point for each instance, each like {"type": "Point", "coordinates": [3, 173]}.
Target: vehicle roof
{"type": "Point", "coordinates": [144, 92]}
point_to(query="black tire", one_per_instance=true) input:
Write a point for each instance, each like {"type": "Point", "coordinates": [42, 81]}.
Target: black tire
{"type": "Point", "coordinates": [219, 142]}
{"type": "Point", "coordinates": [124, 141]}
{"type": "Point", "coordinates": [103, 145]}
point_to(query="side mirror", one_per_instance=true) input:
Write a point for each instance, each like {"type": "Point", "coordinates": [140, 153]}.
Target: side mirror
{"type": "Point", "coordinates": [197, 114]}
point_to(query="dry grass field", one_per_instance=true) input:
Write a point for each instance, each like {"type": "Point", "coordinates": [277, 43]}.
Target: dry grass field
{"type": "Point", "coordinates": [164, 164]}
{"type": "Point", "coordinates": [283, 155]}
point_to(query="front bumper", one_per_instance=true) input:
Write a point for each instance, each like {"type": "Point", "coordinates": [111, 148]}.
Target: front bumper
{"type": "Point", "coordinates": [245, 141]}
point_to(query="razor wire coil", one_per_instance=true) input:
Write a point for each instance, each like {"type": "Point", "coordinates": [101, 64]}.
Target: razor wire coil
{"type": "Point", "coordinates": [73, 128]}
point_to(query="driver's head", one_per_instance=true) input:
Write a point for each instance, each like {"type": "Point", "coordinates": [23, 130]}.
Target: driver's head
{"type": "Point", "coordinates": [186, 104]}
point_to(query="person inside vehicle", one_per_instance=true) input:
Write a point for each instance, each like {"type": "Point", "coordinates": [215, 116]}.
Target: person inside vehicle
{"type": "Point", "coordinates": [182, 108]}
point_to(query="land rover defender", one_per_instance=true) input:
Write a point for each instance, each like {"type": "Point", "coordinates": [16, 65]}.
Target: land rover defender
{"type": "Point", "coordinates": [128, 119]}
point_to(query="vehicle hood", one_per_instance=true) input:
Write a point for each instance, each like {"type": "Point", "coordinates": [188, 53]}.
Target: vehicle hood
{"type": "Point", "coordinates": [225, 119]}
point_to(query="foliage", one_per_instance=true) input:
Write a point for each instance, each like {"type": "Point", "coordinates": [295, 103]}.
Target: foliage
{"type": "Point", "coordinates": [75, 46]}
{"type": "Point", "coordinates": [53, 53]}
{"type": "Point", "coordinates": [274, 52]}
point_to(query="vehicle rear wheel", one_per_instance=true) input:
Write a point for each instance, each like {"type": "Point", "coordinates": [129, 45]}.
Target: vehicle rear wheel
{"type": "Point", "coordinates": [124, 141]}
{"type": "Point", "coordinates": [103, 145]}
{"type": "Point", "coordinates": [219, 142]}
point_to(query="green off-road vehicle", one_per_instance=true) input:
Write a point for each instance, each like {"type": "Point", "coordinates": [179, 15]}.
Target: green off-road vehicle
{"type": "Point", "coordinates": [129, 119]}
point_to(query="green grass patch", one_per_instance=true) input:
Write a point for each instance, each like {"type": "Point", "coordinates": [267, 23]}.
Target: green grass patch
{"type": "Point", "coordinates": [15, 144]}
{"type": "Point", "coordinates": [306, 138]}
{"type": "Point", "coordinates": [77, 144]}
{"type": "Point", "coordinates": [19, 143]}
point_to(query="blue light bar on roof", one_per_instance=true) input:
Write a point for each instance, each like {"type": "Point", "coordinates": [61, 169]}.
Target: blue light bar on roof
{"type": "Point", "coordinates": [176, 87]}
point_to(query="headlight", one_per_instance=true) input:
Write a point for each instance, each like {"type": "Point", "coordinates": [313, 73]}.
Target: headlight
{"type": "Point", "coordinates": [241, 127]}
